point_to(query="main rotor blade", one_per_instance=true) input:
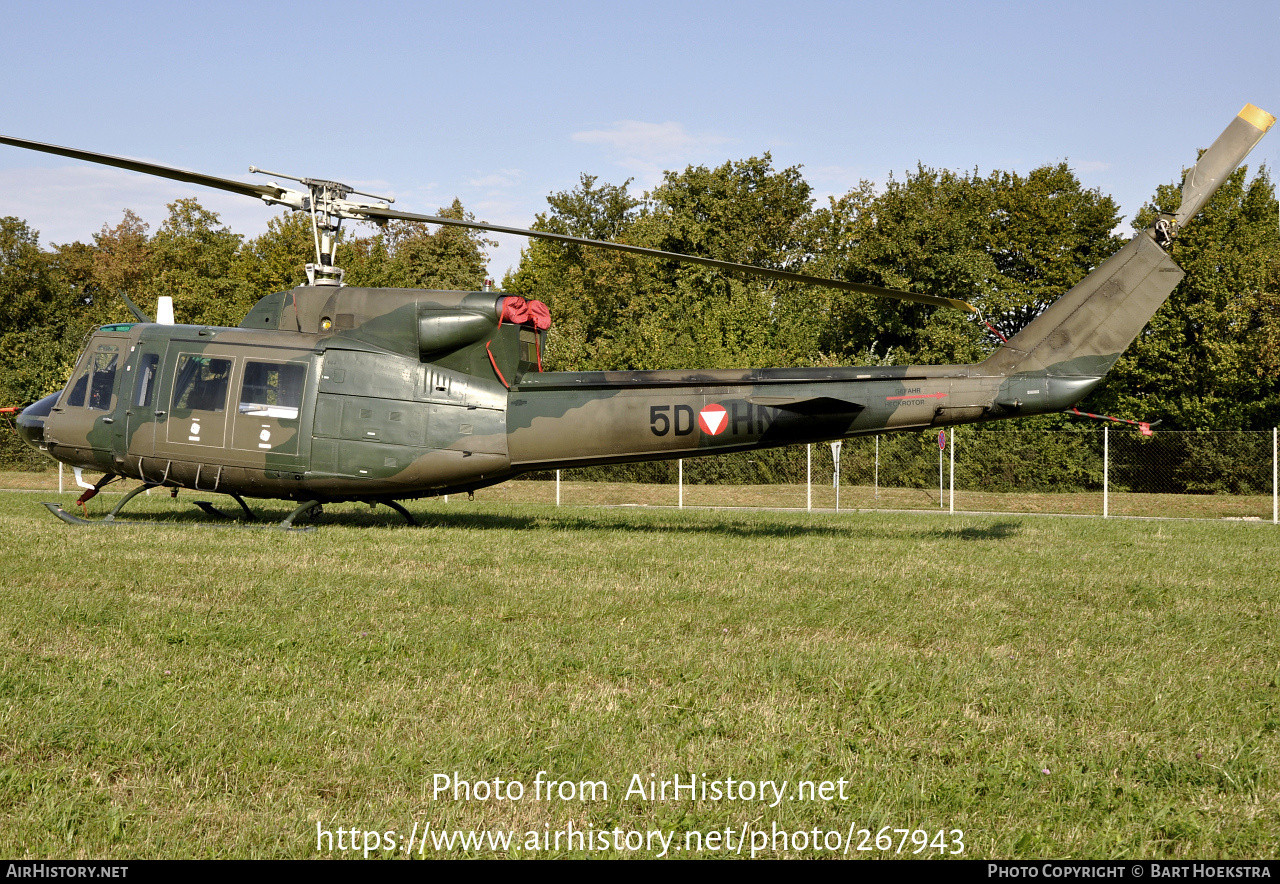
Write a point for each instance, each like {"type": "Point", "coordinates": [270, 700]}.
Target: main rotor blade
{"type": "Point", "coordinates": [272, 191]}
{"type": "Point", "coordinates": [862, 288]}
{"type": "Point", "coordinates": [1221, 159]}
{"type": "Point", "coordinates": [240, 187]}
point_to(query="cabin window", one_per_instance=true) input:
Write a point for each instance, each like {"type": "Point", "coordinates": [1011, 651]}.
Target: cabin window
{"type": "Point", "coordinates": [272, 389]}
{"type": "Point", "coordinates": [102, 380]}
{"type": "Point", "coordinates": [529, 347]}
{"type": "Point", "coordinates": [147, 379]}
{"type": "Point", "coordinates": [202, 383]}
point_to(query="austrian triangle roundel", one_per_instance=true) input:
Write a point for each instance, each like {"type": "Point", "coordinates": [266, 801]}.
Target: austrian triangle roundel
{"type": "Point", "coordinates": [713, 419]}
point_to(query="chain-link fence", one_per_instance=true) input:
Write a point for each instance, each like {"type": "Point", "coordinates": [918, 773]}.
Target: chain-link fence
{"type": "Point", "coordinates": [997, 469]}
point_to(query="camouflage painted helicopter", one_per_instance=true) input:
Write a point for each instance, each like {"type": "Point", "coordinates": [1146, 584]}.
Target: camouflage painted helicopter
{"type": "Point", "coordinates": [331, 392]}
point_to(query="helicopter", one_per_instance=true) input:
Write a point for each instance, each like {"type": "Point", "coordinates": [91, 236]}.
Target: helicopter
{"type": "Point", "coordinates": [329, 392]}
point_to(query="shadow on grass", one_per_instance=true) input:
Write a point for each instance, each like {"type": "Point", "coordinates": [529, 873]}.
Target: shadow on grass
{"type": "Point", "coordinates": [635, 521]}
{"type": "Point", "coordinates": [651, 523]}
{"type": "Point", "coordinates": [995, 531]}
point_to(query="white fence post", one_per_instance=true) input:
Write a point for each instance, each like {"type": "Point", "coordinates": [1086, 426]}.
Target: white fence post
{"type": "Point", "coordinates": [557, 487]}
{"type": "Point", "coordinates": [59, 477]}
{"type": "Point", "coordinates": [940, 477]}
{"type": "Point", "coordinates": [1275, 487]}
{"type": "Point", "coordinates": [835, 469]}
{"type": "Point", "coordinates": [680, 481]}
{"type": "Point", "coordinates": [1106, 465]}
{"type": "Point", "coordinates": [951, 445]}
{"type": "Point", "coordinates": [876, 486]}
{"type": "Point", "coordinates": [808, 477]}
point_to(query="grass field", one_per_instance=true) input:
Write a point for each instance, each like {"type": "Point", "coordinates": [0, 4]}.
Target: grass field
{"type": "Point", "coordinates": [1051, 687]}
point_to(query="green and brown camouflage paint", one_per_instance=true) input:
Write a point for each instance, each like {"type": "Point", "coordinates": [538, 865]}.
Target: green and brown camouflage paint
{"type": "Point", "coordinates": [401, 400]}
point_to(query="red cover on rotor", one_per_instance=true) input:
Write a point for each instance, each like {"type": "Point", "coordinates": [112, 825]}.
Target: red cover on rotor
{"type": "Point", "coordinates": [520, 311]}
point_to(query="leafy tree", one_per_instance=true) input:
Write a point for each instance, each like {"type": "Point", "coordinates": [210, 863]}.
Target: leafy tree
{"type": "Point", "coordinates": [746, 212]}
{"type": "Point", "coordinates": [191, 259]}
{"type": "Point", "coordinates": [277, 260]}
{"type": "Point", "coordinates": [35, 308]}
{"type": "Point", "coordinates": [584, 287]}
{"type": "Point", "coordinates": [619, 311]}
{"type": "Point", "coordinates": [407, 254]}
{"type": "Point", "coordinates": [120, 258]}
{"type": "Point", "coordinates": [27, 290]}
{"type": "Point", "coordinates": [1047, 234]}
{"type": "Point", "coordinates": [927, 233]}
{"type": "Point", "coordinates": [606, 213]}
{"type": "Point", "coordinates": [39, 326]}
{"type": "Point", "coordinates": [1009, 244]}
{"type": "Point", "coordinates": [741, 211]}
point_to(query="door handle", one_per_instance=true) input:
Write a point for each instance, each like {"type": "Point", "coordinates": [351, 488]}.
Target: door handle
{"type": "Point", "coordinates": [161, 413]}
{"type": "Point", "coordinates": [108, 420]}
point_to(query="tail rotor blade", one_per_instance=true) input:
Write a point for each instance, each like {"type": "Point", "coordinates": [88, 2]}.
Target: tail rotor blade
{"type": "Point", "coordinates": [1221, 159]}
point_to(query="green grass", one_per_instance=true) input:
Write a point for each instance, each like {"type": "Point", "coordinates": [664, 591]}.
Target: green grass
{"type": "Point", "coordinates": [181, 691]}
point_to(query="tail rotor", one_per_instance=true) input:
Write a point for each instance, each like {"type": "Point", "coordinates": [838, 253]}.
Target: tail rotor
{"type": "Point", "coordinates": [1213, 167]}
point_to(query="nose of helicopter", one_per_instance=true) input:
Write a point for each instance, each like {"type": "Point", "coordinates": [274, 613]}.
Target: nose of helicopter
{"type": "Point", "coordinates": [31, 421]}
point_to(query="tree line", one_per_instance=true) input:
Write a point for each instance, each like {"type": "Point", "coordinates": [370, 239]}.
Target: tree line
{"type": "Point", "coordinates": [1009, 243]}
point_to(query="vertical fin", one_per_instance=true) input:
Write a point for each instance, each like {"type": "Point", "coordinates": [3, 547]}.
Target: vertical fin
{"type": "Point", "coordinates": [1083, 333]}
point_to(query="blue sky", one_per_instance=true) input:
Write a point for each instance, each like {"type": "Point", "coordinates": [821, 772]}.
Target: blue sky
{"type": "Point", "coordinates": [501, 103]}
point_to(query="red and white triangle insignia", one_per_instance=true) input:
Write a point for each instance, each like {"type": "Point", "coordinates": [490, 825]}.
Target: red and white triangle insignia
{"type": "Point", "coordinates": [713, 419]}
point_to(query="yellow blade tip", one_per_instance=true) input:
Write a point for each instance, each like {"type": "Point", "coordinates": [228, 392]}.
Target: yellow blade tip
{"type": "Point", "coordinates": [1257, 117]}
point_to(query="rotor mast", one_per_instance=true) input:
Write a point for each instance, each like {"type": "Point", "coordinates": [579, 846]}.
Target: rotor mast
{"type": "Point", "coordinates": [327, 203]}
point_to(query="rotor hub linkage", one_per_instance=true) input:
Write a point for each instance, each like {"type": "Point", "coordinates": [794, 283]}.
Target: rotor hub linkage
{"type": "Point", "coordinates": [327, 203]}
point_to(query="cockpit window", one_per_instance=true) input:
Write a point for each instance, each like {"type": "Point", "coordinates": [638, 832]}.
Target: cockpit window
{"type": "Point", "coordinates": [76, 398]}
{"type": "Point", "coordinates": [102, 380]}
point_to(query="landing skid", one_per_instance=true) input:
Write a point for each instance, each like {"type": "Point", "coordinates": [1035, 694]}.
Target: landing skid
{"type": "Point", "coordinates": [307, 510]}
{"type": "Point", "coordinates": [109, 520]}
{"type": "Point", "coordinates": [214, 511]}
{"type": "Point", "coordinates": [311, 509]}
{"type": "Point", "coordinates": [401, 510]}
